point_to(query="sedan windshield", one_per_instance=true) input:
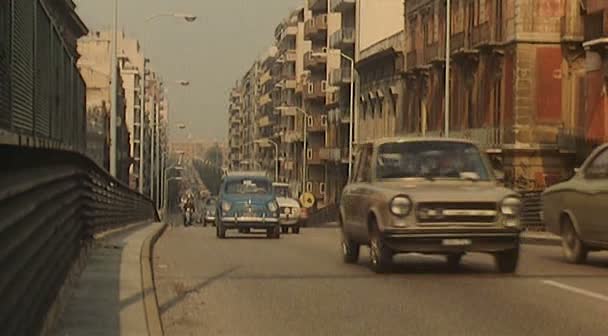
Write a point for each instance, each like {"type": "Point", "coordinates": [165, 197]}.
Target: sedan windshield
{"type": "Point", "coordinates": [282, 191]}
{"type": "Point", "coordinates": [248, 186]}
{"type": "Point", "coordinates": [431, 159]}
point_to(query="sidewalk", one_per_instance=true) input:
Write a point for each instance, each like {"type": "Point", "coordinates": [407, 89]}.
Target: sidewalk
{"type": "Point", "coordinates": [108, 297]}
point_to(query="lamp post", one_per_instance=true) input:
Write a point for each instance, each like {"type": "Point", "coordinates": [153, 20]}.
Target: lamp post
{"type": "Point", "coordinates": [276, 155]}
{"type": "Point", "coordinates": [305, 144]}
{"type": "Point", "coordinates": [114, 93]}
{"type": "Point", "coordinates": [448, 34]}
{"type": "Point", "coordinates": [351, 108]}
{"type": "Point", "coordinates": [155, 146]}
{"type": "Point", "coordinates": [188, 18]}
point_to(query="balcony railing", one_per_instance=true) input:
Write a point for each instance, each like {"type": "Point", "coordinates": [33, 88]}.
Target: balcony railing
{"type": "Point", "coordinates": [265, 99]}
{"type": "Point", "coordinates": [291, 55]}
{"type": "Point", "coordinates": [572, 28]}
{"type": "Point", "coordinates": [481, 35]}
{"type": "Point", "coordinates": [431, 52]}
{"type": "Point", "coordinates": [315, 90]}
{"type": "Point", "coordinates": [342, 5]}
{"type": "Point", "coordinates": [330, 154]}
{"type": "Point", "coordinates": [314, 59]}
{"type": "Point", "coordinates": [457, 42]}
{"type": "Point", "coordinates": [340, 76]}
{"type": "Point", "coordinates": [266, 76]}
{"type": "Point", "coordinates": [412, 60]}
{"type": "Point", "coordinates": [315, 26]}
{"type": "Point", "coordinates": [342, 38]}
{"type": "Point", "coordinates": [333, 98]}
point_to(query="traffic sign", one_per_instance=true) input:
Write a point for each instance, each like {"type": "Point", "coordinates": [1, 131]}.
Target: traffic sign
{"type": "Point", "coordinates": [308, 200]}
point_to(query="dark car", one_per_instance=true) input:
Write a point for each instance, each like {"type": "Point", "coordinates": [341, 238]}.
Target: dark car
{"type": "Point", "coordinates": [577, 209]}
{"type": "Point", "coordinates": [245, 203]}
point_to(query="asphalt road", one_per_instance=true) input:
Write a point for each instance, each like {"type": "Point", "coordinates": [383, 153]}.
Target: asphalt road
{"type": "Point", "coordinates": [298, 285]}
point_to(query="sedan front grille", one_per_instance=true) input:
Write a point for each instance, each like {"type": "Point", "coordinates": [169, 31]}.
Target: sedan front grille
{"type": "Point", "coordinates": [456, 212]}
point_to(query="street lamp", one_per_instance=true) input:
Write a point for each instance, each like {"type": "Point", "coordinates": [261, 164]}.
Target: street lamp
{"type": "Point", "coordinates": [305, 145]}
{"type": "Point", "coordinates": [447, 68]}
{"type": "Point", "coordinates": [155, 145]}
{"type": "Point", "coordinates": [276, 155]}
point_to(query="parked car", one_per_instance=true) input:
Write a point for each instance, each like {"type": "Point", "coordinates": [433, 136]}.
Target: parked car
{"type": "Point", "coordinates": [289, 208]}
{"type": "Point", "coordinates": [577, 209]}
{"type": "Point", "coordinates": [245, 203]}
{"type": "Point", "coordinates": [433, 196]}
{"type": "Point", "coordinates": [209, 211]}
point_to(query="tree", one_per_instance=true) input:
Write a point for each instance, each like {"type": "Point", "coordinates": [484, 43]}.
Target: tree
{"type": "Point", "coordinates": [210, 169]}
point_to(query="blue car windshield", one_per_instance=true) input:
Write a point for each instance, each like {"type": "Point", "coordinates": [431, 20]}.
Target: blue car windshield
{"type": "Point", "coordinates": [248, 186]}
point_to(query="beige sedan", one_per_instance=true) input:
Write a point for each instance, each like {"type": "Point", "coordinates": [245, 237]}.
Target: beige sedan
{"type": "Point", "coordinates": [577, 209]}
{"type": "Point", "coordinates": [435, 196]}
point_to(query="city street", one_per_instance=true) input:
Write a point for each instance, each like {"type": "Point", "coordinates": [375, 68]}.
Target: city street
{"type": "Point", "coordinates": [298, 285]}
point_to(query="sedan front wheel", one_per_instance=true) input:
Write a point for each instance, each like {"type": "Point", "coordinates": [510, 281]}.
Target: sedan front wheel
{"type": "Point", "coordinates": [573, 248]}
{"type": "Point", "coordinates": [381, 256]}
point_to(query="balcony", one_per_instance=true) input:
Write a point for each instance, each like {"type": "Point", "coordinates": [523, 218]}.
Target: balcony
{"type": "Point", "coordinates": [291, 56]}
{"type": "Point", "coordinates": [313, 157]}
{"type": "Point", "coordinates": [457, 42]}
{"type": "Point", "coordinates": [265, 78]}
{"type": "Point", "coordinates": [235, 120]}
{"type": "Point", "coordinates": [341, 76]}
{"type": "Point", "coordinates": [342, 5]}
{"type": "Point", "coordinates": [481, 35]}
{"type": "Point", "coordinates": [315, 90]}
{"type": "Point", "coordinates": [432, 53]}
{"type": "Point", "coordinates": [265, 99]}
{"type": "Point", "coordinates": [345, 115]}
{"type": "Point", "coordinates": [315, 60]}
{"type": "Point", "coordinates": [264, 122]}
{"type": "Point", "coordinates": [411, 60]}
{"type": "Point", "coordinates": [316, 27]}
{"type": "Point", "coordinates": [487, 138]}
{"type": "Point", "coordinates": [332, 98]}
{"type": "Point", "coordinates": [317, 5]}
{"type": "Point", "coordinates": [572, 29]}
{"type": "Point", "coordinates": [343, 38]}
{"type": "Point", "coordinates": [292, 136]}
{"type": "Point", "coordinates": [330, 154]}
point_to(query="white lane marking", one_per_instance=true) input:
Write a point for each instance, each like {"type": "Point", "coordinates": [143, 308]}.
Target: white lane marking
{"type": "Point", "coordinates": [576, 290]}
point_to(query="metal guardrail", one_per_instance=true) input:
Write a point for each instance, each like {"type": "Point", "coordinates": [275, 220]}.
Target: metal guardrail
{"type": "Point", "coordinates": [51, 204]}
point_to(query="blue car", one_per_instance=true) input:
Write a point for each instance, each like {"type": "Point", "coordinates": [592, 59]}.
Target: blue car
{"type": "Point", "coordinates": [245, 203]}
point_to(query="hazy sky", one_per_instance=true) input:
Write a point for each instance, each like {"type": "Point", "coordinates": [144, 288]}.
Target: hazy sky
{"type": "Point", "coordinates": [212, 52]}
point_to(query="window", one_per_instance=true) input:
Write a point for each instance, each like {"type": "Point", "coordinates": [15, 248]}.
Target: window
{"type": "Point", "coordinates": [248, 186]}
{"type": "Point", "coordinates": [323, 120]}
{"type": "Point", "coordinates": [309, 121]}
{"type": "Point", "coordinates": [309, 154]}
{"type": "Point", "coordinates": [322, 188]}
{"type": "Point", "coordinates": [309, 186]}
{"type": "Point", "coordinates": [598, 168]}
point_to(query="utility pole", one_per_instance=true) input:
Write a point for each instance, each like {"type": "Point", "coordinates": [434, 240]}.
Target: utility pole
{"type": "Point", "coordinates": [114, 97]}
{"type": "Point", "coordinates": [448, 34]}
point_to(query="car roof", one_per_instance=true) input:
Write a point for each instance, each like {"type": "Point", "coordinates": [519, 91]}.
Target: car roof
{"type": "Point", "coordinates": [385, 140]}
{"type": "Point", "coordinates": [278, 184]}
{"type": "Point", "coordinates": [240, 177]}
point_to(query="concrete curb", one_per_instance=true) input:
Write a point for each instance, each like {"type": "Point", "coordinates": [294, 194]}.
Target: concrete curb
{"type": "Point", "coordinates": [153, 320]}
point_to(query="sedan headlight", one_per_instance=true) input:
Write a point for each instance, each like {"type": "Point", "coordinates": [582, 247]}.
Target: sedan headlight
{"type": "Point", "coordinates": [510, 206]}
{"type": "Point", "coordinates": [295, 211]}
{"type": "Point", "coordinates": [287, 211]}
{"type": "Point", "coordinates": [226, 206]}
{"type": "Point", "coordinates": [272, 206]}
{"type": "Point", "coordinates": [401, 206]}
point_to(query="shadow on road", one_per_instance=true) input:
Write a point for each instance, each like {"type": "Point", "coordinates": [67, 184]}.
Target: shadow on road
{"type": "Point", "coordinates": [185, 292]}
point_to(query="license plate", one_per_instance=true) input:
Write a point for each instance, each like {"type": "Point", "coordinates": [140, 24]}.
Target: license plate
{"type": "Point", "coordinates": [456, 242]}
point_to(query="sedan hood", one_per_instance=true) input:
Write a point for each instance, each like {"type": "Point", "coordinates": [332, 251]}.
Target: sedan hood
{"type": "Point", "coordinates": [256, 200]}
{"type": "Point", "coordinates": [452, 191]}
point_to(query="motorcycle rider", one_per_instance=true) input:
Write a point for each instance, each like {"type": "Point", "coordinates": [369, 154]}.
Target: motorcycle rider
{"type": "Point", "coordinates": [189, 206]}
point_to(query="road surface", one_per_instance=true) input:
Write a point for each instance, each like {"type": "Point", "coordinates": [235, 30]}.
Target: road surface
{"type": "Point", "coordinates": [298, 285]}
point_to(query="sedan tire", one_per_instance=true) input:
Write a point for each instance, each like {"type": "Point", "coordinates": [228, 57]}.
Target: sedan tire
{"type": "Point", "coordinates": [350, 250]}
{"type": "Point", "coordinates": [573, 248]}
{"type": "Point", "coordinates": [506, 261]}
{"type": "Point", "coordinates": [295, 229]}
{"type": "Point", "coordinates": [454, 260]}
{"type": "Point", "coordinates": [381, 255]}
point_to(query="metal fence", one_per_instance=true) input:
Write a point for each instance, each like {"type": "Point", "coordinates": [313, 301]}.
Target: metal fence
{"type": "Point", "coordinates": [42, 95]}
{"type": "Point", "coordinates": [51, 204]}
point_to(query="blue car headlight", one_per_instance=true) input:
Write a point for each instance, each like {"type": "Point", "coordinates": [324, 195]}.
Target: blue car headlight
{"type": "Point", "coordinates": [226, 206]}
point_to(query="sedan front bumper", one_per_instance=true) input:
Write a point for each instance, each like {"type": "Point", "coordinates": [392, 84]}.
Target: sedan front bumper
{"type": "Point", "coordinates": [288, 220]}
{"type": "Point", "coordinates": [249, 222]}
{"type": "Point", "coordinates": [451, 242]}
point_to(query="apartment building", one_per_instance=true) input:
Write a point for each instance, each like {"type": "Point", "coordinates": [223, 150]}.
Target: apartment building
{"type": "Point", "coordinates": [265, 118]}
{"type": "Point", "coordinates": [94, 67]}
{"type": "Point", "coordinates": [292, 46]}
{"type": "Point", "coordinates": [249, 107]}
{"type": "Point", "coordinates": [515, 66]}
{"type": "Point", "coordinates": [235, 128]}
